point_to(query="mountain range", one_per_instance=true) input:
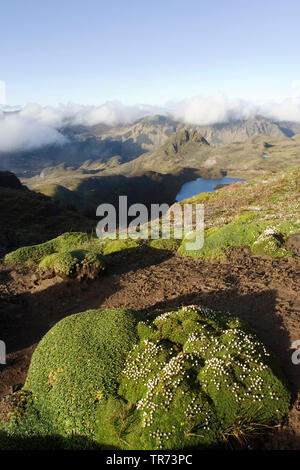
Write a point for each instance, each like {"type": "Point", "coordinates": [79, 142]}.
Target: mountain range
{"type": "Point", "coordinates": [100, 146]}
{"type": "Point", "coordinates": [151, 159]}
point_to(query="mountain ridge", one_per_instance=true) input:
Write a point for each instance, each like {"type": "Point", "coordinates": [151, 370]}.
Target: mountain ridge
{"type": "Point", "coordinates": [127, 142]}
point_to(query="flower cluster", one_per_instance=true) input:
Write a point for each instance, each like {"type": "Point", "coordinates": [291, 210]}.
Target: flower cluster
{"type": "Point", "coordinates": [160, 436]}
{"type": "Point", "coordinates": [161, 388]}
{"type": "Point", "coordinates": [164, 316]}
{"type": "Point", "coordinates": [140, 362]}
{"type": "Point", "coordinates": [188, 369]}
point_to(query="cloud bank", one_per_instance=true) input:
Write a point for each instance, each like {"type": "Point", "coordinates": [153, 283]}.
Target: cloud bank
{"type": "Point", "coordinates": [23, 133]}
{"type": "Point", "coordinates": [35, 126]}
{"type": "Point", "coordinates": [204, 111]}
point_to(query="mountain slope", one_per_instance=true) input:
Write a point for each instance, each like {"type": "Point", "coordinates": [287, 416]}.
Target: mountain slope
{"type": "Point", "coordinates": [260, 214]}
{"type": "Point", "coordinates": [184, 149]}
{"type": "Point", "coordinates": [234, 159]}
{"type": "Point", "coordinates": [239, 131]}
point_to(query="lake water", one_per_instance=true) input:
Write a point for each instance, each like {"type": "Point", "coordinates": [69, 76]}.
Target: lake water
{"type": "Point", "coordinates": [202, 185]}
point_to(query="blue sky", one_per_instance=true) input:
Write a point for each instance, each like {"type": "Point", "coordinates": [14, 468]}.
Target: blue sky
{"type": "Point", "coordinates": [147, 51]}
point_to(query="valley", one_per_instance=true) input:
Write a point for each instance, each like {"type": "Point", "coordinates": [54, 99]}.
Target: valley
{"type": "Point", "coordinates": [156, 152]}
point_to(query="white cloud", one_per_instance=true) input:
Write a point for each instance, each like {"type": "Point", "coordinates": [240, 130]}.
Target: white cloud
{"type": "Point", "coordinates": [215, 109]}
{"type": "Point", "coordinates": [286, 110]}
{"type": "Point", "coordinates": [205, 110]}
{"type": "Point", "coordinates": [23, 133]}
{"type": "Point", "coordinates": [112, 112]}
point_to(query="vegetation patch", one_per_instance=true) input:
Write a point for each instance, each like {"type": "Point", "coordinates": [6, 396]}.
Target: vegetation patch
{"type": "Point", "coordinates": [179, 379]}
{"type": "Point", "coordinates": [245, 214]}
{"type": "Point", "coordinates": [71, 254]}
{"type": "Point", "coordinates": [241, 214]}
{"type": "Point", "coordinates": [114, 246]}
{"type": "Point", "coordinates": [261, 238]}
{"type": "Point", "coordinates": [164, 244]}
{"type": "Point", "coordinates": [270, 243]}
{"type": "Point", "coordinates": [75, 367]}
{"type": "Point", "coordinates": [34, 254]}
{"type": "Point", "coordinates": [79, 263]}
{"type": "Point", "coordinates": [189, 379]}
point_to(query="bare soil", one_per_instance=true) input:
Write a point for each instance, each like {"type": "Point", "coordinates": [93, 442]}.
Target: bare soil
{"type": "Point", "coordinates": [263, 291]}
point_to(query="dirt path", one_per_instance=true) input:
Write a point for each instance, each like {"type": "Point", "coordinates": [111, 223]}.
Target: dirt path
{"type": "Point", "coordinates": [265, 292]}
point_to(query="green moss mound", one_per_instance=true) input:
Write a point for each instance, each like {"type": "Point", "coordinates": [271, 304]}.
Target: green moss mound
{"type": "Point", "coordinates": [74, 242]}
{"type": "Point", "coordinates": [79, 263]}
{"type": "Point", "coordinates": [164, 244]}
{"type": "Point", "coordinates": [75, 367]}
{"type": "Point", "coordinates": [128, 245]}
{"type": "Point", "coordinates": [71, 254]}
{"type": "Point", "coordinates": [261, 237]}
{"type": "Point", "coordinates": [193, 376]}
{"type": "Point", "coordinates": [30, 254]}
{"type": "Point", "coordinates": [270, 243]}
{"type": "Point", "coordinates": [137, 245]}
{"type": "Point", "coordinates": [34, 254]}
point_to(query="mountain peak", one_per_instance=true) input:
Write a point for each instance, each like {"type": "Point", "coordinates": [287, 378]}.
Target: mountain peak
{"type": "Point", "coordinates": [182, 137]}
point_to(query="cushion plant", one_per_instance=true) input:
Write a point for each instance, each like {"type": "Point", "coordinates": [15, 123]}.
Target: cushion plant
{"type": "Point", "coordinates": [183, 378]}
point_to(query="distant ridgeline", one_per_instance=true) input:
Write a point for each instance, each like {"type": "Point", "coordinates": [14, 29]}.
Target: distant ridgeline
{"type": "Point", "coordinates": [100, 143]}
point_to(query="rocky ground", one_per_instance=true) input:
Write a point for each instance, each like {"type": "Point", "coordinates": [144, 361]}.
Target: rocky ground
{"type": "Point", "coordinates": [263, 291]}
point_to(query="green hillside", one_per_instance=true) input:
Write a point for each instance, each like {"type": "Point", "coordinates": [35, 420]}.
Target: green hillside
{"type": "Point", "coordinates": [235, 158]}
{"type": "Point", "coordinates": [260, 214]}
